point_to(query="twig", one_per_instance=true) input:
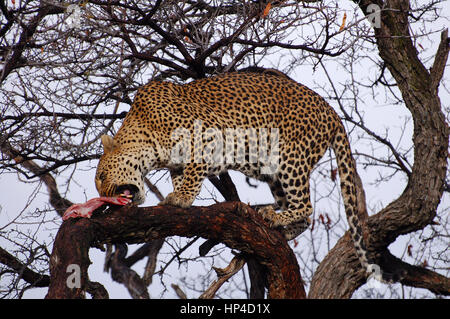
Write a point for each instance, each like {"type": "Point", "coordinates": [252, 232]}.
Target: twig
{"type": "Point", "coordinates": [223, 275]}
{"type": "Point", "coordinates": [59, 203]}
{"type": "Point", "coordinates": [177, 254]}
{"type": "Point", "coordinates": [180, 293]}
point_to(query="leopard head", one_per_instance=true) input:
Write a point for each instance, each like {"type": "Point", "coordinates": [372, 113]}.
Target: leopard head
{"type": "Point", "coordinates": [120, 171]}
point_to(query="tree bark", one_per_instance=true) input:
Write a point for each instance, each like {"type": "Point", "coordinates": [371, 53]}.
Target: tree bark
{"type": "Point", "coordinates": [338, 275]}
{"type": "Point", "coordinates": [232, 223]}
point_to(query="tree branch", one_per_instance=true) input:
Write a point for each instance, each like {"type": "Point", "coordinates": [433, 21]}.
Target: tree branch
{"type": "Point", "coordinates": [180, 293]}
{"type": "Point", "coordinates": [223, 275]}
{"type": "Point", "coordinates": [440, 60]}
{"type": "Point", "coordinates": [235, 224]}
{"type": "Point", "coordinates": [31, 277]}
{"type": "Point", "coordinates": [67, 116]}
{"type": "Point", "coordinates": [415, 276]}
{"type": "Point", "coordinates": [304, 47]}
{"type": "Point", "coordinates": [122, 273]}
{"type": "Point", "coordinates": [59, 203]}
{"type": "Point", "coordinates": [257, 274]}
{"type": "Point", "coordinates": [341, 266]}
{"type": "Point", "coordinates": [96, 290]}
{"type": "Point", "coordinates": [338, 276]}
{"type": "Point", "coordinates": [26, 35]}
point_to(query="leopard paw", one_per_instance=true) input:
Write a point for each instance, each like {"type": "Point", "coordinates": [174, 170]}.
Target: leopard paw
{"type": "Point", "coordinates": [293, 230]}
{"type": "Point", "coordinates": [269, 215]}
{"type": "Point", "coordinates": [177, 199]}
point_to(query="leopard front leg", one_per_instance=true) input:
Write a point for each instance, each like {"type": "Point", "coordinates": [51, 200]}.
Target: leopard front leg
{"type": "Point", "coordinates": [185, 192]}
{"type": "Point", "coordinates": [177, 178]}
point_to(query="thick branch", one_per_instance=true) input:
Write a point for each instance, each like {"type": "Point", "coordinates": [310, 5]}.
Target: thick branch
{"type": "Point", "coordinates": [416, 207]}
{"type": "Point", "coordinates": [235, 224]}
{"type": "Point", "coordinates": [416, 276]}
{"type": "Point", "coordinates": [344, 270]}
{"type": "Point", "coordinates": [440, 60]}
{"type": "Point", "coordinates": [120, 272]}
{"type": "Point", "coordinates": [31, 277]}
{"type": "Point", "coordinates": [257, 274]}
{"type": "Point", "coordinates": [339, 274]}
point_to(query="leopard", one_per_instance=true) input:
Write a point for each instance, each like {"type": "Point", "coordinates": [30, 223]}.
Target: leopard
{"type": "Point", "coordinates": [195, 118]}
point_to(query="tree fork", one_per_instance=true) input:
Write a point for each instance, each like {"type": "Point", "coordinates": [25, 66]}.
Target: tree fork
{"type": "Point", "coordinates": [416, 207]}
{"type": "Point", "coordinates": [232, 223]}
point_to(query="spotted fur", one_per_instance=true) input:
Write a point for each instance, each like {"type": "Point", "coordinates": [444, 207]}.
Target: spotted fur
{"type": "Point", "coordinates": [307, 127]}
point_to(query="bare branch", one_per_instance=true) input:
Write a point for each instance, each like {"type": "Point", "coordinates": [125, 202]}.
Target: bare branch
{"type": "Point", "coordinates": [155, 246]}
{"type": "Point", "coordinates": [31, 277]}
{"type": "Point", "coordinates": [28, 31]}
{"type": "Point", "coordinates": [223, 275]}
{"type": "Point", "coordinates": [120, 272]}
{"type": "Point", "coordinates": [440, 60]}
{"type": "Point", "coordinates": [235, 224]}
{"type": "Point", "coordinates": [59, 203]}
{"type": "Point", "coordinates": [180, 293]}
{"type": "Point", "coordinates": [68, 116]}
{"type": "Point", "coordinates": [97, 290]}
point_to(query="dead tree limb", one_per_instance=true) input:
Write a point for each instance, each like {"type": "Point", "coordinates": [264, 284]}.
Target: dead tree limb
{"type": "Point", "coordinates": [232, 223]}
{"type": "Point", "coordinates": [223, 275]}
{"type": "Point", "coordinates": [121, 273]}
{"type": "Point", "coordinates": [33, 278]}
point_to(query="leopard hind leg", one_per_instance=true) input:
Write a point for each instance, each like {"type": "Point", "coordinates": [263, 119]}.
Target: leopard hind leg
{"type": "Point", "coordinates": [295, 205]}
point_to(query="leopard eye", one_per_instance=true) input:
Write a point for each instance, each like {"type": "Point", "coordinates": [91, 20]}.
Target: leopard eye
{"type": "Point", "coordinates": [102, 176]}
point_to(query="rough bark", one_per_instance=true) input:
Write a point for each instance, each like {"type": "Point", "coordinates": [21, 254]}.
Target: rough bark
{"type": "Point", "coordinates": [232, 223]}
{"type": "Point", "coordinates": [337, 276]}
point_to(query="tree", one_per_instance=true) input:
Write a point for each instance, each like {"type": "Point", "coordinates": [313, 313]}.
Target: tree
{"type": "Point", "coordinates": [70, 72]}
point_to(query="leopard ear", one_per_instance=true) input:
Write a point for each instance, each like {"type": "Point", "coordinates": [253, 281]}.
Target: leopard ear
{"type": "Point", "coordinates": [108, 144]}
